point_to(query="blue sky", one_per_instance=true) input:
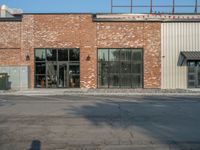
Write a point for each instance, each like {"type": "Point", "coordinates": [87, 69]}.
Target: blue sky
{"type": "Point", "coordinates": [91, 6]}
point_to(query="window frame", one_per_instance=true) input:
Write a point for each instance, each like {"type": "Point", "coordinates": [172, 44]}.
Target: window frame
{"type": "Point", "coordinates": [69, 62]}
{"type": "Point", "coordinates": [131, 61]}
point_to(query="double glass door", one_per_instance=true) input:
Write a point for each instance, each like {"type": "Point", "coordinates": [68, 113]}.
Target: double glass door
{"type": "Point", "coordinates": [62, 75]}
{"type": "Point", "coordinates": [194, 74]}
{"type": "Point", "coordinates": [57, 75]}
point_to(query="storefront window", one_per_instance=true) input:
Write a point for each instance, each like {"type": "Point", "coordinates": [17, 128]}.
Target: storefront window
{"type": "Point", "coordinates": [120, 68]}
{"type": "Point", "coordinates": [57, 68]}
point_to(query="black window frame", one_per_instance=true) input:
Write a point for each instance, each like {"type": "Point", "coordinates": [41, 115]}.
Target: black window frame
{"type": "Point", "coordinates": [141, 74]}
{"type": "Point", "coordinates": [68, 62]}
{"type": "Point", "coordinates": [194, 73]}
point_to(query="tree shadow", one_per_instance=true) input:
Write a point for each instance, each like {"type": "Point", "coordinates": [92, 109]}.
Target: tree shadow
{"type": "Point", "coordinates": [35, 145]}
{"type": "Point", "coordinates": [171, 120]}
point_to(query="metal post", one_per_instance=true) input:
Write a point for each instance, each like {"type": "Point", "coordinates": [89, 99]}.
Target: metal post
{"type": "Point", "coordinates": [151, 7]}
{"type": "Point", "coordinates": [131, 10]}
{"type": "Point", "coordinates": [111, 1]}
{"type": "Point", "coordinates": [173, 9]}
{"type": "Point", "coordinates": [196, 7]}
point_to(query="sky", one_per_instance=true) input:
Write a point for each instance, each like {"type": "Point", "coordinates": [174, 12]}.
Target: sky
{"type": "Point", "coordinates": [90, 6]}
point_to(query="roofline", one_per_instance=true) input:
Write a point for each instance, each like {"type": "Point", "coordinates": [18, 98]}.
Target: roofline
{"type": "Point", "coordinates": [159, 21]}
{"type": "Point", "coordinates": [58, 13]}
{"type": "Point", "coordinates": [89, 13]}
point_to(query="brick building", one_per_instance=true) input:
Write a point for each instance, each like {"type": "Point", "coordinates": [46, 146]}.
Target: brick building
{"type": "Point", "coordinates": [100, 50]}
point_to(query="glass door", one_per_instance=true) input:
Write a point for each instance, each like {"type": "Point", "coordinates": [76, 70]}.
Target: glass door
{"type": "Point", "coordinates": [198, 74]}
{"type": "Point", "coordinates": [57, 68]}
{"type": "Point", "coordinates": [194, 74]}
{"type": "Point", "coordinates": [51, 75]}
{"type": "Point", "coordinates": [191, 74]}
{"type": "Point", "coordinates": [63, 75]}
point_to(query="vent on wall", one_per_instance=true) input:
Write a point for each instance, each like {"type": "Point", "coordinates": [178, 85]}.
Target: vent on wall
{"type": "Point", "coordinates": [6, 12]}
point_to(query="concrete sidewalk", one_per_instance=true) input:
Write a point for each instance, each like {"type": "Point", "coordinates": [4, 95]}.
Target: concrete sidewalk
{"type": "Point", "coordinates": [120, 92]}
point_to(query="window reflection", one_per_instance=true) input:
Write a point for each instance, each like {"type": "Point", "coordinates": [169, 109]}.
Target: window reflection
{"type": "Point", "coordinates": [63, 55]}
{"type": "Point", "coordinates": [51, 54]}
{"type": "Point", "coordinates": [57, 68]}
{"type": "Point", "coordinates": [40, 55]}
{"type": "Point", "coordinates": [40, 81]}
{"type": "Point", "coordinates": [114, 55]}
{"type": "Point", "coordinates": [103, 54]}
{"type": "Point", "coordinates": [125, 55]}
{"type": "Point", "coordinates": [74, 55]}
{"type": "Point", "coordinates": [40, 68]}
{"type": "Point", "coordinates": [75, 69]}
{"type": "Point", "coordinates": [120, 68]}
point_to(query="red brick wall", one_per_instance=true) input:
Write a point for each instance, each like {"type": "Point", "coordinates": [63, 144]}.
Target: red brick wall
{"type": "Point", "coordinates": [10, 43]}
{"type": "Point", "coordinates": [79, 31]}
{"type": "Point", "coordinates": [135, 35]}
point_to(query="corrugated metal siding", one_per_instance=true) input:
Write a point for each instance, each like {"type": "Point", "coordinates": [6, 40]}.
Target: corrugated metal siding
{"type": "Point", "coordinates": [18, 76]}
{"type": "Point", "coordinates": [177, 37]}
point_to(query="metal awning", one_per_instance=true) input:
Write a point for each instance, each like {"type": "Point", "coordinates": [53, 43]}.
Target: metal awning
{"type": "Point", "coordinates": [194, 55]}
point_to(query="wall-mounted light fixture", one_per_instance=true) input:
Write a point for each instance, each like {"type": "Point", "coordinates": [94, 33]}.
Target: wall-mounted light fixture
{"type": "Point", "coordinates": [27, 57]}
{"type": "Point", "coordinates": [88, 58]}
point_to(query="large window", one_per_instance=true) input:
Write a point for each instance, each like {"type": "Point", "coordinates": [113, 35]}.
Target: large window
{"type": "Point", "coordinates": [193, 74]}
{"type": "Point", "coordinates": [57, 68]}
{"type": "Point", "coordinates": [120, 68]}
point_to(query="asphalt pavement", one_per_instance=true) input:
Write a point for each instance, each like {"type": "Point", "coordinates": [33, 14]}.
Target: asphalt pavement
{"type": "Point", "coordinates": [99, 122]}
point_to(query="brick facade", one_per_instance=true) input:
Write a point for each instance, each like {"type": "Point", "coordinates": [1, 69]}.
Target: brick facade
{"type": "Point", "coordinates": [19, 39]}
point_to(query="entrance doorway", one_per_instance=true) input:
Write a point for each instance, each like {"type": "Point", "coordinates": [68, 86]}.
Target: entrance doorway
{"type": "Point", "coordinates": [57, 68]}
{"type": "Point", "coordinates": [63, 75]}
{"type": "Point", "coordinates": [193, 74]}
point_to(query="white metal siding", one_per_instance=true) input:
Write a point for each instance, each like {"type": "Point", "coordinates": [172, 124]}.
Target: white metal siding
{"type": "Point", "coordinates": [177, 37]}
{"type": "Point", "coordinates": [18, 76]}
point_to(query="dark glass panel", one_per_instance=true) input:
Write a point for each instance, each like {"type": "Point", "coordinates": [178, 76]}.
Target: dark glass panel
{"type": "Point", "coordinates": [40, 81]}
{"type": "Point", "coordinates": [198, 63]}
{"type": "Point", "coordinates": [125, 67]}
{"type": "Point", "coordinates": [136, 68]}
{"type": "Point", "coordinates": [136, 81]}
{"type": "Point", "coordinates": [191, 77]}
{"type": "Point", "coordinates": [51, 54]}
{"type": "Point", "coordinates": [125, 54]}
{"type": "Point", "coordinates": [137, 55]}
{"type": "Point", "coordinates": [62, 79]}
{"type": "Point", "coordinates": [103, 81]}
{"type": "Point", "coordinates": [74, 81]}
{"type": "Point", "coordinates": [114, 80]}
{"type": "Point", "coordinates": [103, 68]}
{"type": "Point", "coordinates": [191, 69]}
{"type": "Point", "coordinates": [75, 69]}
{"type": "Point", "coordinates": [74, 55]}
{"type": "Point", "coordinates": [191, 84]}
{"type": "Point", "coordinates": [103, 55]}
{"type": "Point", "coordinates": [114, 67]}
{"type": "Point", "coordinates": [40, 68]}
{"type": "Point", "coordinates": [191, 63]}
{"type": "Point", "coordinates": [120, 70]}
{"type": "Point", "coordinates": [40, 55]}
{"type": "Point", "coordinates": [199, 72]}
{"type": "Point", "coordinates": [51, 74]}
{"type": "Point", "coordinates": [125, 81]}
{"type": "Point", "coordinates": [63, 55]}
{"type": "Point", "coordinates": [114, 55]}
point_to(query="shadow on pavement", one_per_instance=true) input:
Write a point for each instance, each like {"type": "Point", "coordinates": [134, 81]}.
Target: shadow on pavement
{"type": "Point", "coordinates": [175, 123]}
